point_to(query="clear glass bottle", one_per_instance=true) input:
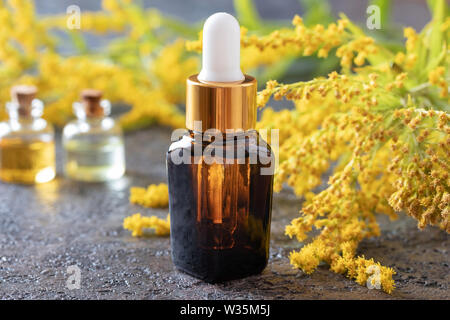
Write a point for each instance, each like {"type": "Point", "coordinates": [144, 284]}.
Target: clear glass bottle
{"type": "Point", "coordinates": [93, 143]}
{"type": "Point", "coordinates": [27, 149]}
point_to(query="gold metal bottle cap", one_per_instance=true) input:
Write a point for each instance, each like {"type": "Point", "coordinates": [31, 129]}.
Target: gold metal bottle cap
{"type": "Point", "coordinates": [23, 95]}
{"type": "Point", "coordinates": [221, 106]}
{"type": "Point", "coordinates": [91, 99]}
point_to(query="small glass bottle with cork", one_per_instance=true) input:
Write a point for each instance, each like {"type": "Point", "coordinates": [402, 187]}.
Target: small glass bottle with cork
{"type": "Point", "coordinates": [93, 143]}
{"type": "Point", "coordinates": [27, 148]}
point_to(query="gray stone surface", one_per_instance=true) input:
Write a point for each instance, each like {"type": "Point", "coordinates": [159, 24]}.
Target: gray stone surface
{"type": "Point", "coordinates": [45, 229]}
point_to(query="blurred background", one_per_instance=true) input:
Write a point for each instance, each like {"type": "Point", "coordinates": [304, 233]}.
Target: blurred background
{"type": "Point", "coordinates": [405, 12]}
{"type": "Point", "coordinates": [145, 38]}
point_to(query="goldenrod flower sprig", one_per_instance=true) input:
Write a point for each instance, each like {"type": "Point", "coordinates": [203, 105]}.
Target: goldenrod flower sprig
{"type": "Point", "coordinates": [302, 41]}
{"type": "Point", "coordinates": [129, 71]}
{"type": "Point", "coordinates": [384, 131]}
{"type": "Point", "coordinates": [379, 165]}
{"type": "Point", "coordinates": [154, 196]}
{"type": "Point", "coordinates": [137, 223]}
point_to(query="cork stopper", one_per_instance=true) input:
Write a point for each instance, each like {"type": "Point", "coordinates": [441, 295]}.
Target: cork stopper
{"type": "Point", "coordinates": [91, 99]}
{"type": "Point", "coordinates": [24, 95]}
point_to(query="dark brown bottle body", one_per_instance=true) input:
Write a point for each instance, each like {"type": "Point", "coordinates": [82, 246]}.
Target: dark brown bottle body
{"type": "Point", "coordinates": [220, 205]}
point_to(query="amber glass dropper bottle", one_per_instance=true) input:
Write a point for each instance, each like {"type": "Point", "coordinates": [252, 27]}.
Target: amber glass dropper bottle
{"type": "Point", "coordinates": [27, 149]}
{"type": "Point", "coordinates": [220, 172]}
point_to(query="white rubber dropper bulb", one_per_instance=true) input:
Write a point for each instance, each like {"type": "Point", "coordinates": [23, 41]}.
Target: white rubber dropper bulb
{"type": "Point", "coordinates": [221, 49]}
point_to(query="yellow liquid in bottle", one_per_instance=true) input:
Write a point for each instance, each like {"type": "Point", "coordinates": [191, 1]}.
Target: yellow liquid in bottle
{"type": "Point", "coordinates": [97, 161]}
{"type": "Point", "coordinates": [26, 162]}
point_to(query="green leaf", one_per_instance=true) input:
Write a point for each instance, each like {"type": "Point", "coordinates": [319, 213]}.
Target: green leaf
{"type": "Point", "coordinates": [317, 11]}
{"type": "Point", "coordinates": [181, 28]}
{"type": "Point", "coordinates": [247, 14]}
{"type": "Point", "coordinates": [434, 63]}
{"type": "Point", "coordinates": [275, 71]}
{"type": "Point", "coordinates": [438, 9]}
{"type": "Point", "coordinates": [78, 41]}
{"type": "Point", "coordinates": [422, 50]}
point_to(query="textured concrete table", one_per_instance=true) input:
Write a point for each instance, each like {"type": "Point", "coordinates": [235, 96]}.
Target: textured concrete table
{"type": "Point", "coordinates": [45, 229]}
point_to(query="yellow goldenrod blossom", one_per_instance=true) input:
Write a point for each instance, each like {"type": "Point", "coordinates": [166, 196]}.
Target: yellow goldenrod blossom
{"type": "Point", "coordinates": [437, 78]}
{"type": "Point", "coordinates": [173, 81]}
{"type": "Point", "coordinates": [301, 41]}
{"type": "Point", "coordinates": [137, 223]}
{"type": "Point", "coordinates": [386, 143]}
{"type": "Point", "coordinates": [123, 76]}
{"type": "Point", "coordinates": [154, 196]}
{"type": "Point", "coordinates": [411, 36]}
